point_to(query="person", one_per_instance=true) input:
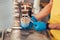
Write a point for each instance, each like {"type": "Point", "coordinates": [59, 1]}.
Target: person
{"type": "Point", "coordinates": [54, 23]}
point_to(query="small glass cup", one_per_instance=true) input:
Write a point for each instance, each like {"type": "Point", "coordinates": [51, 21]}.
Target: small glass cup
{"type": "Point", "coordinates": [25, 21]}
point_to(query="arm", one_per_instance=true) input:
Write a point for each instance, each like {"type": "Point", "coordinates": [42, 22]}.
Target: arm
{"type": "Point", "coordinates": [42, 25]}
{"type": "Point", "coordinates": [54, 26]}
{"type": "Point", "coordinates": [45, 11]}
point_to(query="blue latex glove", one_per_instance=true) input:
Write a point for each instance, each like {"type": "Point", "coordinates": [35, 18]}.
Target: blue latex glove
{"type": "Point", "coordinates": [33, 19]}
{"type": "Point", "coordinates": [39, 26]}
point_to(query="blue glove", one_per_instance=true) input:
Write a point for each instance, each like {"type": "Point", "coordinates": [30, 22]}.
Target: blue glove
{"type": "Point", "coordinates": [33, 19]}
{"type": "Point", "coordinates": [39, 26]}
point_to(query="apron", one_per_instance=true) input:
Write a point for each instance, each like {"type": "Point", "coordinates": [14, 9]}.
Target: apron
{"type": "Point", "coordinates": [54, 19]}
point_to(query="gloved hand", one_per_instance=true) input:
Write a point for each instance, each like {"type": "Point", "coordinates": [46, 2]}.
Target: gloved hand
{"type": "Point", "coordinates": [39, 26]}
{"type": "Point", "coordinates": [33, 19]}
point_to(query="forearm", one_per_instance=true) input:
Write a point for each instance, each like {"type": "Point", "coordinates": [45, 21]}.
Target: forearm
{"type": "Point", "coordinates": [44, 12]}
{"type": "Point", "coordinates": [54, 26]}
